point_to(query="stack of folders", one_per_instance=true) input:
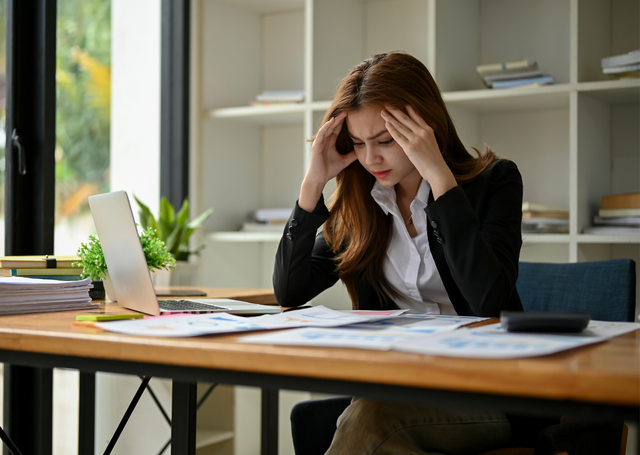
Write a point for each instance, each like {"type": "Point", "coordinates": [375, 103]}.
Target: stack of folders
{"type": "Point", "coordinates": [516, 73]}
{"type": "Point", "coordinates": [619, 214]}
{"type": "Point", "coordinates": [33, 295]}
{"type": "Point", "coordinates": [543, 218]}
{"type": "Point", "coordinates": [270, 97]}
{"type": "Point", "coordinates": [623, 66]}
{"type": "Point", "coordinates": [267, 220]}
{"type": "Point", "coordinates": [33, 284]}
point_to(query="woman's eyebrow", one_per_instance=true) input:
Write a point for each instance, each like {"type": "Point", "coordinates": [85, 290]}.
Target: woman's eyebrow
{"type": "Point", "coordinates": [375, 136]}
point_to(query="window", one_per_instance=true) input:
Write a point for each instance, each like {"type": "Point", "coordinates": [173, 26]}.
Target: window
{"type": "Point", "coordinates": [83, 116]}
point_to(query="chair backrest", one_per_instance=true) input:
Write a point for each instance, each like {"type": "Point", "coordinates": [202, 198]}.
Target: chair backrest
{"type": "Point", "coordinates": [606, 289]}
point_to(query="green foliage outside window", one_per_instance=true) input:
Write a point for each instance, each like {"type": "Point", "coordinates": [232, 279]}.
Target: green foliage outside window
{"type": "Point", "coordinates": [83, 102]}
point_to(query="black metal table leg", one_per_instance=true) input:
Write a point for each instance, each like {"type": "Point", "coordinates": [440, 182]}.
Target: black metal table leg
{"type": "Point", "coordinates": [28, 408]}
{"type": "Point", "coordinates": [269, 425]}
{"type": "Point", "coordinates": [183, 418]}
{"type": "Point", "coordinates": [87, 413]}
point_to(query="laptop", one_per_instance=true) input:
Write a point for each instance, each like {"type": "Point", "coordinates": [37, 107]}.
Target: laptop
{"type": "Point", "coordinates": [128, 271]}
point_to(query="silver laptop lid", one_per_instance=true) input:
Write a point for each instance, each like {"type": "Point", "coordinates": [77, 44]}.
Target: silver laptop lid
{"type": "Point", "coordinates": [123, 252]}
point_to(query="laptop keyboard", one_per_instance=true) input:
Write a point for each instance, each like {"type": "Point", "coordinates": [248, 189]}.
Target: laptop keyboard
{"type": "Point", "coordinates": [186, 305]}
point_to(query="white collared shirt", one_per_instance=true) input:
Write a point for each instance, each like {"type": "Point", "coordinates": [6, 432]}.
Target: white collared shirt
{"type": "Point", "coordinates": [409, 265]}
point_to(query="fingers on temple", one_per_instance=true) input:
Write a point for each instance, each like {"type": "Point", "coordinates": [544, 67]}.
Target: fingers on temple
{"type": "Point", "coordinates": [416, 117]}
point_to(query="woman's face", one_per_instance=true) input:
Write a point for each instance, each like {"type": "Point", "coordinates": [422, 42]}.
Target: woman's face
{"type": "Point", "coordinates": [375, 148]}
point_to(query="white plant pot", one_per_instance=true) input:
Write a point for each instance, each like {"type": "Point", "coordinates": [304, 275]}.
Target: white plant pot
{"type": "Point", "coordinates": [185, 274]}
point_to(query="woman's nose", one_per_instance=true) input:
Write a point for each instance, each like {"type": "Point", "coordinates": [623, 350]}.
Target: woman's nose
{"type": "Point", "coordinates": [372, 156]}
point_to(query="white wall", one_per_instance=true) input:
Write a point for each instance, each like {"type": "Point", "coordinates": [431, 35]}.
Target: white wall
{"type": "Point", "coordinates": [135, 99]}
{"type": "Point", "coordinates": [135, 168]}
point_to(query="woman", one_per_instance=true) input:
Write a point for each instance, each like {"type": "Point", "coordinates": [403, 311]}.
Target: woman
{"type": "Point", "coordinates": [416, 222]}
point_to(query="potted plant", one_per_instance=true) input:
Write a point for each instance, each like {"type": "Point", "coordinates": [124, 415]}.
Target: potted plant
{"type": "Point", "coordinates": [95, 267]}
{"type": "Point", "coordinates": [175, 229]}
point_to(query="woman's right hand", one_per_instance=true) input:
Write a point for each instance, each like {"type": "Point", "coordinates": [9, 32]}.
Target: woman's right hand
{"type": "Point", "coordinates": [325, 162]}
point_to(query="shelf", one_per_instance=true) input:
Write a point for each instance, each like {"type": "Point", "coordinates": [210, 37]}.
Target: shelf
{"type": "Point", "coordinates": [205, 437]}
{"type": "Point", "coordinates": [623, 91]}
{"type": "Point", "coordinates": [545, 238]}
{"type": "Point", "coordinates": [511, 99]}
{"type": "Point", "coordinates": [263, 115]}
{"type": "Point", "coordinates": [619, 239]}
{"type": "Point", "coordinates": [626, 91]}
{"type": "Point", "coordinates": [239, 236]}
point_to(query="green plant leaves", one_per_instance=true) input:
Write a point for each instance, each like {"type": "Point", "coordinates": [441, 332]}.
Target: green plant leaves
{"type": "Point", "coordinates": [173, 228]}
{"type": "Point", "coordinates": [94, 266]}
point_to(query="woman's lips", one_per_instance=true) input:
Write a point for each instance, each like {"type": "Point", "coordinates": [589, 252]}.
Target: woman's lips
{"type": "Point", "coordinates": [381, 174]}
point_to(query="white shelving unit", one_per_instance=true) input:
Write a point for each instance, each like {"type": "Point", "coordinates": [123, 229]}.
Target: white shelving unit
{"type": "Point", "coordinates": [573, 142]}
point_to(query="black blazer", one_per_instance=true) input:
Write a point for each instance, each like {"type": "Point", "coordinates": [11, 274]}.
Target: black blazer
{"type": "Point", "coordinates": [474, 233]}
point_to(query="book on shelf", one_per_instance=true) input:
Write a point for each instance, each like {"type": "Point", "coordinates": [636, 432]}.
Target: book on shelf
{"type": "Point", "coordinates": [621, 69]}
{"type": "Point", "coordinates": [39, 261]}
{"type": "Point", "coordinates": [621, 201]}
{"type": "Point", "coordinates": [544, 218]}
{"type": "Point", "coordinates": [623, 66]}
{"type": "Point", "coordinates": [20, 295]}
{"type": "Point", "coordinates": [516, 73]}
{"type": "Point", "coordinates": [617, 221]}
{"type": "Point", "coordinates": [525, 82]}
{"type": "Point", "coordinates": [544, 214]}
{"type": "Point", "coordinates": [274, 215]}
{"type": "Point", "coordinates": [504, 66]}
{"type": "Point", "coordinates": [545, 226]}
{"type": "Point", "coordinates": [615, 213]}
{"type": "Point", "coordinates": [281, 96]}
{"type": "Point", "coordinates": [538, 207]}
{"type": "Point", "coordinates": [263, 227]}
{"type": "Point", "coordinates": [612, 230]}
{"type": "Point", "coordinates": [621, 60]}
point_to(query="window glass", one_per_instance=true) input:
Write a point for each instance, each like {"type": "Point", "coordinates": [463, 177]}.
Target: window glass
{"type": "Point", "coordinates": [83, 110]}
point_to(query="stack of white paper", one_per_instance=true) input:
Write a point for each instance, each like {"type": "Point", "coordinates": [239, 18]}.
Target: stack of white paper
{"type": "Point", "coordinates": [34, 295]}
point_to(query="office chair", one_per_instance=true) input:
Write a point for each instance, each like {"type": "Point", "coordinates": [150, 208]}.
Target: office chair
{"type": "Point", "coordinates": [583, 287]}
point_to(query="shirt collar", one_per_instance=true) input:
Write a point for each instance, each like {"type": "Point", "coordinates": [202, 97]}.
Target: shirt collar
{"type": "Point", "coordinates": [386, 196]}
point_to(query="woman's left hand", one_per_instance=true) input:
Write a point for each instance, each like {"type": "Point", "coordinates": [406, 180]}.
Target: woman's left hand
{"type": "Point", "coordinates": [418, 141]}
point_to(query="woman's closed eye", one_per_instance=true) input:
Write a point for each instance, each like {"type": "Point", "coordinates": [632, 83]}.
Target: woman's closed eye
{"type": "Point", "coordinates": [386, 142]}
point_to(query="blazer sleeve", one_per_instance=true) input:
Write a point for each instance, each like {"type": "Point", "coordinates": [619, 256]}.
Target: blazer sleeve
{"type": "Point", "coordinates": [304, 264]}
{"type": "Point", "coordinates": [478, 227]}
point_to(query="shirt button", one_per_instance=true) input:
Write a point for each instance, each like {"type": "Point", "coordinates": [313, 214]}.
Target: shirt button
{"type": "Point", "coordinates": [292, 230]}
{"type": "Point", "coordinates": [294, 222]}
{"type": "Point", "coordinates": [434, 224]}
{"type": "Point", "coordinates": [289, 236]}
{"type": "Point", "coordinates": [440, 240]}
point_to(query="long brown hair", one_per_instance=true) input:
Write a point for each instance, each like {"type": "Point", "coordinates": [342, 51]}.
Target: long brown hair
{"type": "Point", "coordinates": [357, 229]}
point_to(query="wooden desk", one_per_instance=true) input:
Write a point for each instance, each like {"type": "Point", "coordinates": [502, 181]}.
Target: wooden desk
{"type": "Point", "coordinates": [28, 383]}
{"type": "Point", "coordinates": [601, 379]}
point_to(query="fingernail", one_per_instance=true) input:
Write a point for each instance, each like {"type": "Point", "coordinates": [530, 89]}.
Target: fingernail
{"type": "Point", "coordinates": [383, 112]}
